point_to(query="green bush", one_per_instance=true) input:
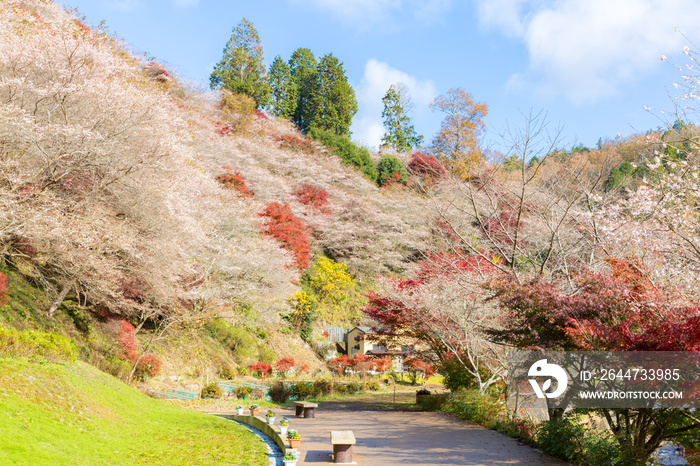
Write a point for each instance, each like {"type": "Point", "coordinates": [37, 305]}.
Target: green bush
{"type": "Point", "coordinates": [303, 390]}
{"type": "Point", "coordinates": [212, 390]}
{"type": "Point", "coordinates": [353, 387]}
{"type": "Point", "coordinates": [433, 402]}
{"type": "Point", "coordinates": [242, 392]}
{"type": "Point", "coordinates": [388, 166]}
{"type": "Point", "coordinates": [569, 440]}
{"type": "Point", "coordinates": [456, 376]}
{"type": "Point", "coordinates": [242, 342]}
{"type": "Point", "coordinates": [474, 406]}
{"type": "Point", "coordinates": [372, 386]}
{"type": "Point", "coordinates": [36, 345]}
{"type": "Point", "coordinates": [322, 387]}
{"type": "Point", "coordinates": [349, 152]}
{"type": "Point", "coordinates": [279, 393]}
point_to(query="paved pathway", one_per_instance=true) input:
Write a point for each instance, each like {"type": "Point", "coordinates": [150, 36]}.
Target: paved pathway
{"type": "Point", "coordinates": [408, 438]}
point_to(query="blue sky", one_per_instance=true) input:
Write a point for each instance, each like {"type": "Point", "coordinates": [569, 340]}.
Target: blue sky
{"type": "Point", "coordinates": [591, 65]}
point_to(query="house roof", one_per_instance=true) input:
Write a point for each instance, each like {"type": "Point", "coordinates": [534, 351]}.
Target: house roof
{"type": "Point", "coordinates": [362, 329]}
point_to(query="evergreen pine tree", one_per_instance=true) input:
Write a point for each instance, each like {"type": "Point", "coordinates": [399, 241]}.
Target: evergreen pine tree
{"type": "Point", "coordinates": [302, 66]}
{"type": "Point", "coordinates": [400, 133]}
{"type": "Point", "coordinates": [334, 104]}
{"type": "Point", "coordinates": [283, 90]}
{"type": "Point", "coordinates": [240, 69]}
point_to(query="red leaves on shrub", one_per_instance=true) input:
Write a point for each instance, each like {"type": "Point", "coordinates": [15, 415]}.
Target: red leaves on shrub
{"type": "Point", "coordinates": [233, 179]}
{"type": "Point", "coordinates": [313, 196]}
{"type": "Point", "coordinates": [426, 165]}
{"type": "Point", "coordinates": [284, 365]}
{"type": "Point", "coordinates": [295, 143]}
{"type": "Point", "coordinates": [3, 289]}
{"type": "Point", "coordinates": [127, 342]}
{"type": "Point", "coordinates": [261, 368]}
{"type": "Point", "coordinates": [283, 226]}
{"type": "Point", "coordinates": [148, 365]}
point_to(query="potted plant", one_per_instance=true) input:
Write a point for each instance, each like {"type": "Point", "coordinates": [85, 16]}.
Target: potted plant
{"type": "Point", "coordinates": [254, 410]}
{"type": "Point", "coordinates": [239, 410]}
{"type": "Point", "coordinates": [270, 417]}
{"type": "Point", "coordinates": [294, 438]}
{"type": "Point", "coordinates": [290, 458]}
{"type": "Point", "coordinates": [284, 425]}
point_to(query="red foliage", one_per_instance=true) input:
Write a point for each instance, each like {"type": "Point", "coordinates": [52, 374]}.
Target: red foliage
{"type": "Point", "coordinates": [25, 246]}
{"type": "Point", "coordinates": [222, 128]}
{"type": "Point", "coordinates": [295, 143]}
{"type": "Point", "coordinates": [339, 364]}
{"type": "Point", "coordinates": [126, 340]}
{"type": "Point", "coordinates": [620, 311]}
{"type": "Point", "coordinates": [287, 229]}
{"type": "Point", "coordinates": [501, 228]}
{"type": "Point", "coordinates": [313, 196]}
{"type": "Point", "coordinates": [284, 365]}
{"type": "Point", "coordinates": [234, 180]}
{"type": "Point", "coordinates": [149, 365]}
{"type": "Point", "coordinates": [3, 289]}
{"type": "Point", "coordinates": [260, 115]}
{"type": "Point", "coordinates": [414, 365]}
{"type": "Point", "coordinates": [133, 289]}
{"type": "Point", "coordinates": [382, 365]}
{"type": "Point", "coordinates": [261, 368]}
{"type": "Point", "coordinates": [444, 264]}
{"type": "Point", "coordinates": [302, 367]}
{"type": "Point", "coordinates": [426, 165]}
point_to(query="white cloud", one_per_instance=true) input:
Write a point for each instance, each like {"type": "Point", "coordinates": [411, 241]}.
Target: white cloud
{"type": "Point", "coordinates": [587, 50]}
{"type": "Point", "coordinates": [378, 77]}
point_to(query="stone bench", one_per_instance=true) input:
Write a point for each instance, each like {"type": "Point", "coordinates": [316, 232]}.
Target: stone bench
{"type": "Point", "coordinates": [342, 441]}
{"type": "Point", "coordinates": [306, 408]}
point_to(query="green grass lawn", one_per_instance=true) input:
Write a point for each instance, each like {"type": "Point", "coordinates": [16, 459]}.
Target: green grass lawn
{"type": "Point", "coordinates": [73, 414]}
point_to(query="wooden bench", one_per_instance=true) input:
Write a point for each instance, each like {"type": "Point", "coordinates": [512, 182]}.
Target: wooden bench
{"type": "Point", "coordinates": [342, 441]}
{"type": "Point", "coordinates": [306, 408]}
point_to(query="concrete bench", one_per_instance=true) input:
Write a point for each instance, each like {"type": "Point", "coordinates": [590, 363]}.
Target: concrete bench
{"type": "Point", "coordinates": [306, 408]}
{"type": "Point", "coordinates": [342, 441]}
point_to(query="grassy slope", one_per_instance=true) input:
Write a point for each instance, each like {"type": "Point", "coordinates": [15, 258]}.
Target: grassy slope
{"type": "Point", "coordinates": [54, 414]}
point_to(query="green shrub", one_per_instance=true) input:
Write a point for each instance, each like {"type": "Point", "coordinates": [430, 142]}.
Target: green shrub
{"type": "Point", "coordinates": [387, 170]}
{"type": "Point", "coordinates": [372, 386]}
{"type": "Point", "coordinates": [569, 440]}
{"type": "Point", "coordinates": [242, 392]}
{"type": "Point", "coordinates": [456, 376]}
{"type": "Point", "coordinates": [212, 390]}
{"type": "Point", "coordinates": [353, 387]}
{"type": "Point", "coordinates": [349, 152]}
{"type": "Point", "coordinates": [279, 393]}
{"type": "Point", "coordinates": [238, 339]}
{"type": "Point", "coordinates": [36, 345]}
{"type": "Point", "coordinates": [322, 387]}
{"type": "Point", "coordinates": [266, 355]}
{"type": "Point", "coordinates": [433, 402]}
{"type": "Point", "coordinates": [303, 390]}
{"type": "Point", "coordinates": [474, 406]}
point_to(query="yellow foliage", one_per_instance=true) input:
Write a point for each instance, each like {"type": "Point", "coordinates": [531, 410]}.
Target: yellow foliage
{"type": "Point", "coordinates": [457, 143]}
{"type": "Point", "coordinates": [335, 290]}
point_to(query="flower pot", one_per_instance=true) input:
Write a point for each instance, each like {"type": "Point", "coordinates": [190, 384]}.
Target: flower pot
{"type": "Point", "coordinates": [254, 412]}
{"type": "Point", "coordinates": [270, 420]}
{"type": "Point", "coordinates": [290, 462]}
{"type": "Point", "coordinates": [294, 442]}
{"type": "Point", "coordinates": [239, 412]}
{"type": "Point", "coordinates": [283, 430]}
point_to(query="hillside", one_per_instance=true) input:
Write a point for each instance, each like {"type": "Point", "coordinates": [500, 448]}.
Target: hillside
{"type": "Point", "coordinates": [71, 413]}
{"type": "Point", "coordinates": [121, 201]}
